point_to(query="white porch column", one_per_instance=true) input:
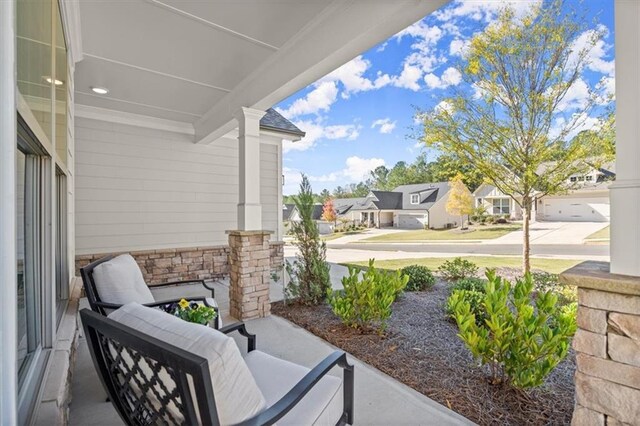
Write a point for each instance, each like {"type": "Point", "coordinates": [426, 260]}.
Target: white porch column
{"type": "Point", "coordinates": [8, 286]}
{"type": "Point", "coordinates": [249, 207]}
{"type": "Point", "coordinates": [625, 191]}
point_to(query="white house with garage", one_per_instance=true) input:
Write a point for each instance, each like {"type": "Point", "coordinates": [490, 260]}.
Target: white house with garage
{"type": "Point", "coordinates": [586, 201]}
{"type": "Point", "coordinates": [416, 206]}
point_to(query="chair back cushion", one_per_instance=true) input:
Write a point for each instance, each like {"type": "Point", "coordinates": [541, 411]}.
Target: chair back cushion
{"type": "Point", "coordinates": [237, 396]}
{"type": "Point", "coordinates": [120, 281]}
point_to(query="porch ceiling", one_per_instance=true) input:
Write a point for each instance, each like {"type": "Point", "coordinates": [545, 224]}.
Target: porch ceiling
{"type": "Point", "coordinates": [197, 62]}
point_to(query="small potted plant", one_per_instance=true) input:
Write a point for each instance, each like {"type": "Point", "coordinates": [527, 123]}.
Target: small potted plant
{"type": "Point", "coordinates": [192, 312]}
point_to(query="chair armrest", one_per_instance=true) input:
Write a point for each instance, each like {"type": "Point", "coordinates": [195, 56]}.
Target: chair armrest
{"type": "Point", "coordinates": [176, 283]}
{"type": "Point", "coordinates": [241, 328]}
{"type": "Point", "coordinates": [289, 400]}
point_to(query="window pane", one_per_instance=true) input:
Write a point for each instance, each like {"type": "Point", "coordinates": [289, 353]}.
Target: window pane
{"type": "Point", "coordinates": [34, 53]}
{"type": "Point", "coordinates": [28, 246]}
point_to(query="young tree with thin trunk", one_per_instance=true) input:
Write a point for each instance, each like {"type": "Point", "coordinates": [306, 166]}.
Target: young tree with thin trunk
{"type": "Point", "coordinates": [460, 201]}
{"type": "Point", "coordinates": [509, 120]}
{"type": "Point", "coordinates": [329, 212]}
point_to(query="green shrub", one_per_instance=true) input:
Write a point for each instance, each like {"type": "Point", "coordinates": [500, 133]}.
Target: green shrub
{"type": "Point", "coordinates": [471, 284]}
{"type": "Point", "coordinates": [475, 299]}
{"type": "Point", "coordinates": [545, 281]}
{"type": "Point", "coordinates": [523, 337]}
{"type": "Point", "coordinates": [309, 273]}
{"type": "Point", "coordinates": [366, 302]}
{"type": "Point", "coordinates": [420, 277]}
{"type": "Point", "coordinates": [456, 269]}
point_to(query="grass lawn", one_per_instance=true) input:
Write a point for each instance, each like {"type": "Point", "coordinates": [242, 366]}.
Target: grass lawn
{"type": "Point", "coordinates": [337, 235]}
{"type": "Point", "coordinates": [554, 266]}
{"type": "Point", "coordinates": [478, 232]}
{"type": "Point", "coordinates": [599, 235]}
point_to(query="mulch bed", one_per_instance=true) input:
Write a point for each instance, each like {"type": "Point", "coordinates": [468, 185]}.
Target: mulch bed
{"type": "Point", "coordinates": [422, 350]}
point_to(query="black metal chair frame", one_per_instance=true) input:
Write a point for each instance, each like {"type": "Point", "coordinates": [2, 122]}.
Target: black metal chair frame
{"type": "Point", "coordinates": [100, 332]}
{"type": "Point", "coordinates": [99, 306]}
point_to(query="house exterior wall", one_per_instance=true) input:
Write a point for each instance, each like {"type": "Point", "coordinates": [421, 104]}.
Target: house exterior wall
{"type": "Point", "coordinates": [139, 188]}
{"type": "Point", "coordinates": [438, 215]}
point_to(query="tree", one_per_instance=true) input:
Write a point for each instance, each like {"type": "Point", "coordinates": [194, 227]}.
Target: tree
{"type": "Point", "coordinates": [508, 121]}
{"type": "Point", "coordinates": [380, 177]}
{"type": "Point", "coordinates": [328, 211]}
{"type": "Point", "coordinates": [309, 273]}
{"type": "Point", "coordinates": [325, 195]}
{"type": "Point", "coordinates": [447, 166]}
{"type": "Point", "coordinates": [460, 202]}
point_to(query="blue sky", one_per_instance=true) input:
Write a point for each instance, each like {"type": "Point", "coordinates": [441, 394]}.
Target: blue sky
{"type": "Point", "coordinates": [360, 116]}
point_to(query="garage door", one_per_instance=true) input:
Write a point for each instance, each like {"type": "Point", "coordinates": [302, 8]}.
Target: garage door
{"type": "Point", "coordinates": [407, 221]}
{"type": "Point", "coordinates": [577, 209]}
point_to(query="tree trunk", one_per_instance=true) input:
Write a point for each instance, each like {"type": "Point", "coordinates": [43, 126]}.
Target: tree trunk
{"type": "Point", "coordinates": [526, 249]}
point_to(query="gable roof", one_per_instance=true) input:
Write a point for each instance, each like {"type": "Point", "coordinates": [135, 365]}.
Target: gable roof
{"type": "Point", "coordinates": [273, 120]}
{"type": "Point", "coordinates": [430, 193]}
{"type": "Point", "coordinates": [287, 211]}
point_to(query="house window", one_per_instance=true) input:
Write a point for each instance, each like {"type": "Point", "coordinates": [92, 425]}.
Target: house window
{"type": "Point", "coordinates": [501, 206]}
{"type": "Point", "coordinates": [415, 198]}
{"type": "Point", "coordinates": [580, 178]}
{"type": "Point", "coordinates": [573, 178]}
{"type": "Point", "coordinates": [589, 178]}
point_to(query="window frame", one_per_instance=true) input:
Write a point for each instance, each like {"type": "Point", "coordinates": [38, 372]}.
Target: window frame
{"type": "Point", "coordinates": [416, 197]}
{"type": "Point", "coordinates": [501, 207]}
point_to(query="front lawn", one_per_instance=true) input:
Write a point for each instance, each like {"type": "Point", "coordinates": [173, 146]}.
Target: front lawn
{"type": "Point", "coordinates": [476, 232]}
{"type": "Point", "coordinates": [554, 266]}
{"type": "Point", "coordinates": [603, 234]}
{"type": "Point", "coordinates": [336, 235]}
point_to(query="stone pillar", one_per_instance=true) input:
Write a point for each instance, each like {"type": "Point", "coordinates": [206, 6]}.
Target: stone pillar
{"type": "Point", "coordinates": [607, 346]}
{"type": "Point", "coordinates": [250, 274]}
{"type": "Point", "coordinates": [625, 191]}
{"type": "Point", "coordinates": [249, 205]}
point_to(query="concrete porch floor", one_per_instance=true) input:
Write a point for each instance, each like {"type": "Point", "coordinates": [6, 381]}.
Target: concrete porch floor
{"type": "Point", "coordinates": [379, 399]}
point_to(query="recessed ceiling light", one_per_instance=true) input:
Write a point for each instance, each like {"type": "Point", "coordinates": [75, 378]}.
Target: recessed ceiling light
{"type": "Point", "coordinates": [100, 90]}
{"type": "Point", "coordinates": [56, 81]}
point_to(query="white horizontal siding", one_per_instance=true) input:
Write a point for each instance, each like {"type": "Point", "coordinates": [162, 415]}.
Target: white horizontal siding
{"type": "Point", "coordinates": [138, 188]}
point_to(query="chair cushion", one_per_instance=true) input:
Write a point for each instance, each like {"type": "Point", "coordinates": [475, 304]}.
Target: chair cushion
{"type": "Point", "coordinates": [237, 395]}
{"type": "Point", "coordinates": [120, 281]}
{"type": "Point", "coordinates": [323, 405]}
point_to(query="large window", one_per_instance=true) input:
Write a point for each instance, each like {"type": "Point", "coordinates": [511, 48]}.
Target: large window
{"type": "Point", "coordinates": [501, 206]}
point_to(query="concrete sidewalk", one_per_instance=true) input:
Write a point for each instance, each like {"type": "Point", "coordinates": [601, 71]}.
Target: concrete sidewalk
{"type": "Point", "coordinates": [552, 233]}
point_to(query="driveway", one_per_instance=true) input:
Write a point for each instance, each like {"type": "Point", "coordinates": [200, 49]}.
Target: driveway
{"type": "Point", "coordinates": [553, 233]}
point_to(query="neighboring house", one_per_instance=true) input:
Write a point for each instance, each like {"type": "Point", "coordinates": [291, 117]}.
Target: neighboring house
{"type": "Point", "coordinates": [290, 214]}
{"type": "Point", "coordinates": [407, 206]}
{"type": "Point", "coordinates": [588, 201]}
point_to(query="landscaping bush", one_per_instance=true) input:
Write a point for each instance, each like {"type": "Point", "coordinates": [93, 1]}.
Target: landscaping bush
{"type": "Point", "coordinates": [309, 273]}
{"type": "Point", "coordinates": [456, 269]}
{"type": "Point", "coordinates": [474, 299]}
{"type": "Point", "coordinates": [523, 338]}
{"type": "Point", "coordinates": [420, 277]}
{"type": "Point", "coordinates": [545, 281]}
{"type": "Point", "coordinates": [471, 284]}
{"type": "Point", "coordinates": [501, 220]}
{"type": "Point", "coordinates": [366, 302]}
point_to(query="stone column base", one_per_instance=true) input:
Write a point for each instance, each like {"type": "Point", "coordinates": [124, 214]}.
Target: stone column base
{"type": "Point", "coordinates": [607, 345]}
{"type": "Point", "coordinates": [249, 270]}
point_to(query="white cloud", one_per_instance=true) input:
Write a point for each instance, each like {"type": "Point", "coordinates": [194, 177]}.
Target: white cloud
{"type": "Point", "coordinates": [315, 131]}
{"type": "Point", "coordinates": [444, 106]}
{"type": "Point", "coordinates": [577, 123]}
{"type": "Point", "coordinates": [319, 99]}
{"type": "Point", "coordinates": [342, 131]}
{"type": "Point", "coordinates": [408, 78]}
{"type": "Point", "coordinates": [292, 179]}
{"type": "Point", "coordinates": [485, 11]}
{"type": "Point", "coordinates": [450, 77]}
{"type": "Point", "coordinates": [596, 51]}
{"type": "Point", "coordinates": [577, 96]}
{"type": "Point", "coordinates": [458, 47]}
{"type": "Point", "coordinates": [351, 75]}
{"type": "Point", "coordinates": [359, 168]}
{"type": "Point", "coordinates": [385, 125]}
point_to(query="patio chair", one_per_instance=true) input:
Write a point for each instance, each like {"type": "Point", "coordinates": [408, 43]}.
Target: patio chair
{"type": "Point", "coordinates": [158, 369]}
{"type": "Point", "coordinates": [113, 281]}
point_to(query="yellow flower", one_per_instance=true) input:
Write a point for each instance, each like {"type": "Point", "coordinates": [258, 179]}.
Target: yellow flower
{"type": "Point", "coordinates": [184, 304]}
